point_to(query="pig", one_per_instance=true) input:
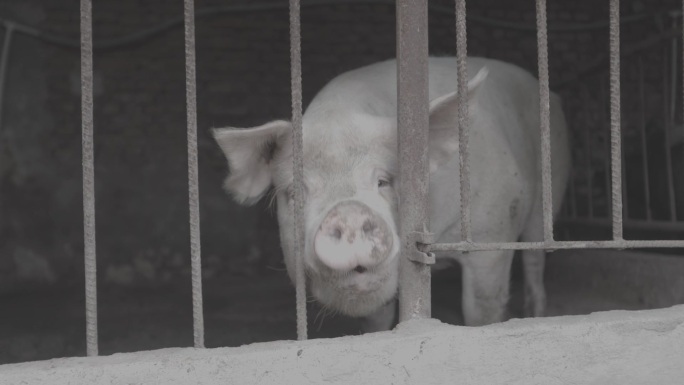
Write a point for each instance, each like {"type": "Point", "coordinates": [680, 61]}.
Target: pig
{"type": "Point", "coordinates": [351, 242]}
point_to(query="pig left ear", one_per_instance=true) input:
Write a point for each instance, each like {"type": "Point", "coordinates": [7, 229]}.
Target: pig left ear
{"type": "Point", "coordinates": [444, 122]}
{"type": "Point", "coordinates": [249, 153]}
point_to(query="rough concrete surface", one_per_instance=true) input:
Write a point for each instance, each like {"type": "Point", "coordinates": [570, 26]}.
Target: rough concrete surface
{"type": "Point", "coordinates": [615, 347]}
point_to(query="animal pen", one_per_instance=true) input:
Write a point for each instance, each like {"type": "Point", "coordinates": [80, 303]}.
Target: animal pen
{"type": "Point", "coordinates": [421, 350]}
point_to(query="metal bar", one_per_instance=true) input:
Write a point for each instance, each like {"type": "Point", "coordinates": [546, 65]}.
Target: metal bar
{"type": "Point", "coordinates": [555, 245]}
{"type": "Point", "coordinates": [673, 73]}
{"type": "Point", "coordinates": [193, 178]}
{"type": "Point", "coordinates": [296, 88]}
{"type": "Point", "coordinates": [615, 139]}
{"type": "Point", "coordinates": [635, 224]}
{"type": "Point", "coordinates": [544, 119]}
{"type": "Point", "coordinates": [667, 126]}
{"type": "Point", "coordinates": [607, 162]}
{"type": "Point", "coordinates": [644, 146]}
{"type": "Point", "coordinates": [463, 119]}
{"type": "Point", "coordinates": [88, 176]}
{"type": "Point", "coordinates": [413, 123]}
{"type": "Point", "coordinates": [603, 120]}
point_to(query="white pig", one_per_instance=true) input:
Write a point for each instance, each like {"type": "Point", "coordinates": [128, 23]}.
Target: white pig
{"type": "Point", "coordinates": [351, 252]}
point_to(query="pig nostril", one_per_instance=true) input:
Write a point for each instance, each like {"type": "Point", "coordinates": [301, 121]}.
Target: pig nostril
{"type": "Point", "coordinates": [360, 269]}
{"type": "Point", "coordinates": [337, 233]}
{"type": "Point", "coordinates": [368, 226]}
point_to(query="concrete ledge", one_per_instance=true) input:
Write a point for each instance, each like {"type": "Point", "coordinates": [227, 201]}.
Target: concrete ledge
{"type": "Point", "coordinates": [616, 347]}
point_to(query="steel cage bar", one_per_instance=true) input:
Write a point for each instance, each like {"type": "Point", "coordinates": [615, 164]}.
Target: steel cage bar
{"type": "Point", "coordinates": [298, 163]}
{"type": "Point", "coordinates": [88, 160]}
{"type": "Point", "coordinates": [614, 244]}
{"type": "Point", "coordinates": [463, 118]}
{"type": "Point", "coordinates": [544, 119]}
{"type": "Point", "coordinates": [413, 121]}
{"type": "Point", "coordinates": [193, 177]}
{"type": "Point", "coordinates": [615, 132]}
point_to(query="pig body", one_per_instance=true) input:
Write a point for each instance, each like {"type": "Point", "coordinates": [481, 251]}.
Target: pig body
{"type": "Point", "coordinates": [351, 178]}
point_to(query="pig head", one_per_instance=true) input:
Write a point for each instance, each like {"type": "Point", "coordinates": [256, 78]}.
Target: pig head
{"type": "Point", "coordinates": [351, 242]}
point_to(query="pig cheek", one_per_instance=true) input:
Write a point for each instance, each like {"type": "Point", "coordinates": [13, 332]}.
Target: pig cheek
{"type": "Point", "coordinates": [285, 224]}
{"type": "Point", "coordinates": [390, 196]}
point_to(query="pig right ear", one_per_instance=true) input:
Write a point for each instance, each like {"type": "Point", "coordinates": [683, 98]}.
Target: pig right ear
{"type": "Point", "coordinates": [444, 121]}
{"type": "Point", "coordinates": [250, 153]}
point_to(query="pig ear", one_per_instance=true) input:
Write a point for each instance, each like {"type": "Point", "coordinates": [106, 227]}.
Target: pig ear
{"type": "Point", "coordinates": [444, 122]}
{"type": "Point", "coordinates": [250, 152]}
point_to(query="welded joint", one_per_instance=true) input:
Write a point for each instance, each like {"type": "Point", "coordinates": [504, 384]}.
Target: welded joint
{"type": "Point", "coordinates": [421, 253]}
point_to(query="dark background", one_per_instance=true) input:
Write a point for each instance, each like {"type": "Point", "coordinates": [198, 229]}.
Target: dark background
{"type": "Point", "coordinates": [243, 80]}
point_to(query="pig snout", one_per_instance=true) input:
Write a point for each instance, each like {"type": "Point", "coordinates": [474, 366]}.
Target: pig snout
{"type": "Point", "coordinates": [352, 236]}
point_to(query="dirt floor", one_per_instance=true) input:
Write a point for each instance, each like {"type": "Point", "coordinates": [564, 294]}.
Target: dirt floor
{"type": "Point", "coordinates": [245, 309]}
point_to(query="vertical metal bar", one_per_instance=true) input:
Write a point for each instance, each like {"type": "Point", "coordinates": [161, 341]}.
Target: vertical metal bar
{"type": "Point", "coordinates": [4, 60]}
{"type": "Point", "coordinates": [669, 84]}
{"type": "Point", "coordinates": [673, 74]}
{"type": "Point", "coordinates": [463, 119]}
{"type": "Point", "coordinates": [413, 123]}
{"type": "Point", "coordinates": [644, 146]}
{"type": "Point", "coordinates": [603, 120]}
{"type": "Point", "coordinates": [615, 139]}
{"type": "Point", "coordinates": [193, 178]}
{"type": "Point", "coordinates": [88, 176]}
{"type": "Point", "coordinates": [682, 84]}
{"type": "Point", "coordinates": [544, 119]}
{"type": "Point", "coordinates": [296, 88]}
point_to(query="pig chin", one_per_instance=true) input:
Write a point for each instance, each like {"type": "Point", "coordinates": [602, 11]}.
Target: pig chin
{"type": "Point", "coordinates": [357, 295]}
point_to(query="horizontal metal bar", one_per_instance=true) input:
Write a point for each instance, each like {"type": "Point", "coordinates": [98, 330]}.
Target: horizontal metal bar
{"type": "Point", "coordinates": [619, 244]}
{"type": "Point", "coordinates": [634, 224]}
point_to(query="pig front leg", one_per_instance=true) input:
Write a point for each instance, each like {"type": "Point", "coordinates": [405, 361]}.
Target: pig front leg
{"type": "Point", "coordinates": [486, 279]}
{"type": "Point", "coordinates": [535, 295]}
{"type": "Point", "coordinates": [383, 319]}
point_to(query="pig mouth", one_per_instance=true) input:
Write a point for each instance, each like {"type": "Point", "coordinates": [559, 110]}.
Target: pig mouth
{"type": "Point", "coordinates": [355, 294]}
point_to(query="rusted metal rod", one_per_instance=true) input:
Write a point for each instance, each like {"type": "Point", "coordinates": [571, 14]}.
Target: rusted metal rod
{"type": "Point", "coordinates": [413, 122]}
{"type": "Point", "coordinates": [88, 176]}
{"type": "Point", "coordinates": [296, 88]}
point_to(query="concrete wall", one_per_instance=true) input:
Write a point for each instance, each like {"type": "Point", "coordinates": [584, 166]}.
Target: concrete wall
{"type": "Point", "coordinates": [606, 348]}
{"type": "Point", "coordinates": [243, 80]}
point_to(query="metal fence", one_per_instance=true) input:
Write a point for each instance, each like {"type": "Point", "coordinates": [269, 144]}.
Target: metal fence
{"type": "Point", "coordinates": [413, 128]}
{"type": "Point", "coordinates": [653, 148]}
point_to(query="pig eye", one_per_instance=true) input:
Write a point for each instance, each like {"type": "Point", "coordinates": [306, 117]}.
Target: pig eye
{"type": "Point", "coordinates": [384, 182]}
